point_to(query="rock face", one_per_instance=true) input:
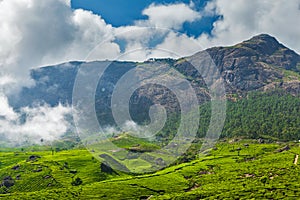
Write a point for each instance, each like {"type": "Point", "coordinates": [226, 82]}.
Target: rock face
{"type": "Point", "coordinates": [258, 64]}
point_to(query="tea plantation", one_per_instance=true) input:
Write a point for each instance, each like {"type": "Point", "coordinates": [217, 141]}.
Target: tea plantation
{"type": "Point", "coordinates": [234, 169]}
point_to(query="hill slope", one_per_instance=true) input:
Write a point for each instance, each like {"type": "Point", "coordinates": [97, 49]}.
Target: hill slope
{"type": "Point", "coordinates": [258, 64]}
{"type": "Point", "coordinates": [239, 169]}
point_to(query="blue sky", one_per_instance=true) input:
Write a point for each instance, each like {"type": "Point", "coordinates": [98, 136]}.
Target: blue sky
{"type": "Point", "coordinates": [122, 13]}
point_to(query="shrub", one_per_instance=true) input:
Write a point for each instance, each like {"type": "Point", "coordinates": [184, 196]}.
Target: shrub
{"type": "Point", "coordinates": [77, 182]}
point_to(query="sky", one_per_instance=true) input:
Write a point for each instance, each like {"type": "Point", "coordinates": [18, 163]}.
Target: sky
{"type": "Point", "coordinates": [36, 33]}
{"type": "Point", "coordinates": [121, 13]}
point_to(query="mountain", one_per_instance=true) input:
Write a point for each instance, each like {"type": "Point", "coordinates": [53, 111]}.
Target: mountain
{"type": "Point", "coordinates": [258, 64]}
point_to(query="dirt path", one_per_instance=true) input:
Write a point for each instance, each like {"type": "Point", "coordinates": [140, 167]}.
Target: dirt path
{"type": "Point", "coordinates": [296, 159]}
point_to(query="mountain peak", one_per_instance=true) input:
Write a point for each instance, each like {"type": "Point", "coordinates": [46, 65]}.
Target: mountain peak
{"type": "Point", "coordinates": [264, 36]}
{"type": "Point", "coordinates": [263, 43]}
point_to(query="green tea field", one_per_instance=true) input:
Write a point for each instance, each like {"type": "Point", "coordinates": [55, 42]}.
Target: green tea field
{"type": "Point", "coordinates": [236, 169]}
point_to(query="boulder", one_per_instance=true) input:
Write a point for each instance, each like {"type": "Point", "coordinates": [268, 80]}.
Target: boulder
{"type": "Point", "coordinates": [33, 158]}
{"type": "Point", "coordinates": [18, 177]}
{"type": "Point", "coordinates": [8, 181]}
{"type": "Point", "coordinates": [17, 167]}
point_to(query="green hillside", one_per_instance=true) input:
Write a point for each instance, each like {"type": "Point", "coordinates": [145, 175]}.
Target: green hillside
{"type": "Point", "coordinates": [239, 169]}
{"type": "Point", "coordinates": [257, 162]}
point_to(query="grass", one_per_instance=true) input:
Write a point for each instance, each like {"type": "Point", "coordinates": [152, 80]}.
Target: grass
{"type": "Point", "coordinates": [289, 75]}
{"type": "Point", "coordinates": [128, 153]}
{"type": "Point", "coordinates": [242, 169]}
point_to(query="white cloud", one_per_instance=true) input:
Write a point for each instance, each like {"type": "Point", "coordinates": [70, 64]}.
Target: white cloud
{"type": "Point", "coordinates": [6, 80]}
{"type": "Point", "coordinates": [162, 23]}
{"type": "Point", "coordinates": [35, 33]}
{"type": "Point", "coordinates": [141, 43]}
{"type": "Point", "coordinates": [33, 124]}
{"type": "Point", "coordinates": [173, 45]}
{"type": "Point", "coordinates": [170, 16]}
{"type": "Point", "coordinates": [180, 44]}
{"type": "Point", "coordinates": [139, 34]}
{"type": "Point", "coordinates": [243, 19]}
{"type": "Point", "coordinates": [6, 112]}
{"type": "Point", "coordinates": [91, 30]}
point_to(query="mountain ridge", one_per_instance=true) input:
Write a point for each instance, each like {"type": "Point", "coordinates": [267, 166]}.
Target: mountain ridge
{"type": "Point", "coordinates": [244, 71]}
{"type": "Point", "coordinates": [244, 67]}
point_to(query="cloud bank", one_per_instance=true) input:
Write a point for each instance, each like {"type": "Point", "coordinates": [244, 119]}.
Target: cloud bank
{"type": "Point", "coordinates": [30, 125]}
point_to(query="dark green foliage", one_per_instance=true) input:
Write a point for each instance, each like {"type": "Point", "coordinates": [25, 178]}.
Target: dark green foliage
{"type": "Point", "coordinates": [273, 114]}
{"type": "Point", "coordinates": [264, 179]}
{"type": "Point", "coordinates": [77, 182]}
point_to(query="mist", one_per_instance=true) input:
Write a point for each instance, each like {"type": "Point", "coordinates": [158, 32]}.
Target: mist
{"type": "Point", "coordinates": [31, 124]}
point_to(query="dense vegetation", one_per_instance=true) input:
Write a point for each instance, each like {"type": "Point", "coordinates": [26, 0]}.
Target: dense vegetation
{"type": "Point", "coordinates": [274, 114]}
{"type": "Point", "coordinates": [271, 115]}
{"type": "Point", "coordinates": [238, 169]}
